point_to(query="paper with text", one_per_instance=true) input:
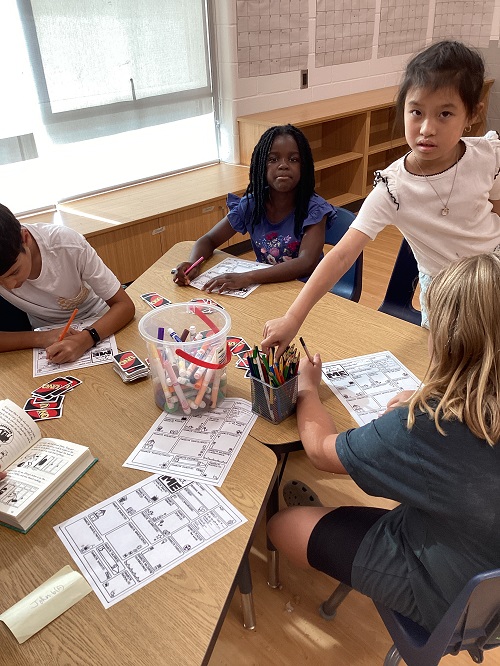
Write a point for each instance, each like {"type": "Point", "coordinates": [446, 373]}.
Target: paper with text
{"type": "Point", "coordinates": [132, 538]}
{"type": "Point", "coordinates": [44, 604]}
{"type": "Point", "coordinates": [230, 265]}
{"type": "Point", "coordinates": [103, 352]}
{"type": "Point", "coordinates": [365, 384]}
{"type": "Point", "coordinates": [199, 447]}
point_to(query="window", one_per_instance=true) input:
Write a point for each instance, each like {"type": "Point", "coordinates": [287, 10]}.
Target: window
{"type": "Point", "coordinates": [106, 92]}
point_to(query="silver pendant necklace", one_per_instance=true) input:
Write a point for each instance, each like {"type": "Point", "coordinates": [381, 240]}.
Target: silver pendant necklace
{"type": "Point", "coordinates": [444, 210]}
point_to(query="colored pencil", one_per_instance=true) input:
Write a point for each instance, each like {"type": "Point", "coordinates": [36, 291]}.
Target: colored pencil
{"type": "Point", "coordinates": [66, 328]}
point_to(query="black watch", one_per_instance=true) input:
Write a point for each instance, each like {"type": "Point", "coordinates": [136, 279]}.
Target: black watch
{"type": "Point", "coordinates": [94, 335]}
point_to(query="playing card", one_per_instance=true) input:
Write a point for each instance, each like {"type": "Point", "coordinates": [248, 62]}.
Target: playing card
{"type": "Point", "coordinates": [242, 361]}
{"type": "Point", "coordinates": [44, 414]}
{"type": "Point", "coordinates": [129, 362]}
{"type": "Point", "coordinates": [42, 403]}
{"type": "Point", "coordinates": [52, 388]}
{"type": "Point", "coordinates": [74, 381]}
{"type": "Point", "coordinates": [209, 303]}
{"type": "Point", "coordinates": [154, 300]}
{"type": "Point", "coordinates": [237, 345]}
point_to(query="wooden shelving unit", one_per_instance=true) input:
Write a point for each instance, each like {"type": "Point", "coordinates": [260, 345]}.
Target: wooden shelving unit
{"type": "Point", "coordinates": [350, 137]}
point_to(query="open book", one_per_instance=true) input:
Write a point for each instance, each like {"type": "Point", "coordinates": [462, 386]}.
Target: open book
{"type": "Point", "coordinates": [39, 470]}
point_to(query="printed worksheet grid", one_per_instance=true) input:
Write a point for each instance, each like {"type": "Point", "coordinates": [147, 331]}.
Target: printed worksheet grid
{"type": "Point", "coordinates": [467, 21]}
{"type": "Point", "coordinates": [403, 27]}
{"type": "Point", "coordinates": [273, 36]}
{"type": "Point", "coordinates": [344, 31]}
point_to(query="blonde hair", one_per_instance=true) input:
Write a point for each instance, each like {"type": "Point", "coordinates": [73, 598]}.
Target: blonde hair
{"type": "Point", "coordinates": [463, 377]}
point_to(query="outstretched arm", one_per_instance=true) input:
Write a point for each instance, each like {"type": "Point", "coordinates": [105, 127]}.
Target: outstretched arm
{"type": "Point", "coordinates": [204, 247]}
{"type": "Point", "coordinates": [317, 429]}
{"type": "Point", "coordinates": [280, 332]}
{"type": "Point", "coordinates": [310, 251]}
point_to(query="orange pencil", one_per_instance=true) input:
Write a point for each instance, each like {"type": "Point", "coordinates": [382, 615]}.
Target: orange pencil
{"type": "Point", "coordinates": [66, 328]}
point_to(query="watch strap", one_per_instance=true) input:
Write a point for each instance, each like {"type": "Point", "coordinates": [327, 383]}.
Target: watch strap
{"type": "Point", "coordinates": [94, 335]}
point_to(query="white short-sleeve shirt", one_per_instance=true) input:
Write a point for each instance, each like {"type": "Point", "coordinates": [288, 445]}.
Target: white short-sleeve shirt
{"type": "Point", "coordinates": [409, 202]}
{"type": "Point", "coordinates": [72, 276]}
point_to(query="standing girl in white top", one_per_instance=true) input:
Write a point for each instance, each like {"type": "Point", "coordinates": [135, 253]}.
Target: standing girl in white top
{"type": "Point", "coordinates": [443, 195]}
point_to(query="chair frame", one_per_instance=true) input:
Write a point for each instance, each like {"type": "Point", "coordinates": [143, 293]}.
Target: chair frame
{"type": "Point", "coordinates": [350, 284]}
{"type": "Point", "coordinates": [401, 288]}
{"type": "Point", "coordinates": [471, 623]}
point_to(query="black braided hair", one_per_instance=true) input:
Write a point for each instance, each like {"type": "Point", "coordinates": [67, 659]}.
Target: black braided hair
{"type": "Point", "coordinates": [258, 186]}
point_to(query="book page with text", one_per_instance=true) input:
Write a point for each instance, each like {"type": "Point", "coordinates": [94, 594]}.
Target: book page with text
{"type": "Point", "coordinates": [18, 432]}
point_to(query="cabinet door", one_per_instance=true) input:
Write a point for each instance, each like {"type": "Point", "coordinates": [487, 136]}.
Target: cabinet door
{"type": "Point", "coordinates": [129, 251]}
{"type": "Point", "coordinates": [192, 223]}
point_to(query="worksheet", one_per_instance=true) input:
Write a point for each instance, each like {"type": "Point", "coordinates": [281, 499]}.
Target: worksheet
{"type": "Point", "coordinates": [127, 541]}
{"type": "Point", "coordinates": [230, 265]}
{"type": "Point", "coordinates": [365, 384]}
{"type": "Point", "coordinates": [103, 352]}
{"type": "Point", "coordinates": [199, 447]}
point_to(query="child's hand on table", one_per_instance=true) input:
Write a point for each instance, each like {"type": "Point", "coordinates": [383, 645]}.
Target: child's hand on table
{"type": "Point", "coordinates": [228, 281]}
{"type": "Point", "coordinates": [398, 400]}
{"type": "Point", "coordinates": [74, 345]}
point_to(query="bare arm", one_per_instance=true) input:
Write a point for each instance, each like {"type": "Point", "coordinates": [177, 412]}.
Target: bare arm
{"type": "Point", "coordinates": [204, 247]}
{"type": "Point", "coordinates": [121, 310]}
{"type": "Point", "coordinates": [317, 429]}
{"type": "Point", "coordinates": [281, 331]}
{"type": "Point", "coordinates": [310, 251]}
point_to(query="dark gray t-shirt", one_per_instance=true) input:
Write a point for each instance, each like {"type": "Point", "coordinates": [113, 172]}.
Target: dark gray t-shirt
{"type": "Point", "coordinates": [418, 557]}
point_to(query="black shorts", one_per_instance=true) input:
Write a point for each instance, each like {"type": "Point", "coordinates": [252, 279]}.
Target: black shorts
{"type": "Point", "coordinates": [335, 540]}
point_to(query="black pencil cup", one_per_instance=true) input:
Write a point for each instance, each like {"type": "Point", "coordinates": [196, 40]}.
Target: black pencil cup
{"type": "Point", "coordinates": [274, 403]}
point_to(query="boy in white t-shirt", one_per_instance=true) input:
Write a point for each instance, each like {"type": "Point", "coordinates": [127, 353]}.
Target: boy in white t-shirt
{"type": "Point", "coordinates": [47, 271]}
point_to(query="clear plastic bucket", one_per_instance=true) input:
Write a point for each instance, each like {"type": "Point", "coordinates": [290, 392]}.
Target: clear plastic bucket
{"type": "Point", "coordinates": [189, 376]}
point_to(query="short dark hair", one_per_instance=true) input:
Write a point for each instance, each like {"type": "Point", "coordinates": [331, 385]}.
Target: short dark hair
{"type": "Point", "coordinates": [258, 174]}
{"type": "Point", "coordinates": [11, 241]}
{"type": "Point", "coordinates": [445, 64]}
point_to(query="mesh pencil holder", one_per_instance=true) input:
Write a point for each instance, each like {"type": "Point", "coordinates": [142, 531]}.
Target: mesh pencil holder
{"type": "Point", "coordinates": [274, 403]}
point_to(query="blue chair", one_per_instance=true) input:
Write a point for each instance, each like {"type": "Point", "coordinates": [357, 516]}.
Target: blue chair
{"type": "Point", "coordinates": [471, 623]}
{"type": "Point", "coordinates": [11, 318]}
{"type": "Point", "coordinates": [401, 288]}
{"type": "Point", "coordinates": [350, 284]}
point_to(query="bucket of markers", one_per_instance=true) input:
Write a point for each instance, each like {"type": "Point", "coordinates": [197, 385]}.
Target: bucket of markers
{"type": "Point", "coordinates": [188, 354]}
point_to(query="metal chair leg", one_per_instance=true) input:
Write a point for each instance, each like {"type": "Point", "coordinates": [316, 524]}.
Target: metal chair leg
{"type": "Point", "coordinates": [273, 561]}
{"type": "Point", "coordinates": [328, 608]}
{"type": "Point", "coordinates": [244, 578]}
{"type": "Point", "coordinates": [392, 658]}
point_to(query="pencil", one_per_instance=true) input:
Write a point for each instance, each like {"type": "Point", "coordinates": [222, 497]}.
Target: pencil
{"type": "Point", "coordinates": [308, 354]}
{"type": "Point", "coordinates": [190, 268]}
{"type": "Point", "coordinates": [66, 328]}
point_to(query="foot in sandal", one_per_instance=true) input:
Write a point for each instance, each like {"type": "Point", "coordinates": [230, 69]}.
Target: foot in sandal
{"type": "Point", "coordinates": [297, 493]}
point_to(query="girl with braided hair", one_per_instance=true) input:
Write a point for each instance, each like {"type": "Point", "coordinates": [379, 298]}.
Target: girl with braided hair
{"type": "Point", "coordinates": [285, 218]}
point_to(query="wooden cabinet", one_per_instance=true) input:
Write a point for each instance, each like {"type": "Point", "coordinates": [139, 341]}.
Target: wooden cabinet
{"type": "Point", "coordinates": [129, 251]}
{"type": "Point", "coordinates": [350, 138]}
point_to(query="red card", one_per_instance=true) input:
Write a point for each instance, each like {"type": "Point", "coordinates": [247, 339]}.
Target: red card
{"type": "Point", "coordinates": [154, 300]}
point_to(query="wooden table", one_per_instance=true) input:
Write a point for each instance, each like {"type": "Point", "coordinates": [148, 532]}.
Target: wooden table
{"type": "Point", "coordinates": [176, 618]}
{"type": "Point", "coordinates": [178, 614]}
{"type": "Point", "coordinates": [335, 327]}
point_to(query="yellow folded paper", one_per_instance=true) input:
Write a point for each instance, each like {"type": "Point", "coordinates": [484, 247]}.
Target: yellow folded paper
{"type": "Point", "coordinates": [44, 604]}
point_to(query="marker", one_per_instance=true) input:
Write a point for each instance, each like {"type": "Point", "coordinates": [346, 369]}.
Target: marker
{"type": "Point", "coordinates": [190, 268]}
{"type": "Point", "coordinates": [66, 328]}
{"type": "Point", "coordinates": [192, 332]}
{"type": "Point", "coordinates": [173, 335]}
{"type": "Point", "coordinates": [308, 353]}
{"type": "Point", "coordinates": [177, 387]}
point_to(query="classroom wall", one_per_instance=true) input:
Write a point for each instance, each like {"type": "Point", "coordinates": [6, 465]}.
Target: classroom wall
{"type": "Point", "coordinates": [347, 46]}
